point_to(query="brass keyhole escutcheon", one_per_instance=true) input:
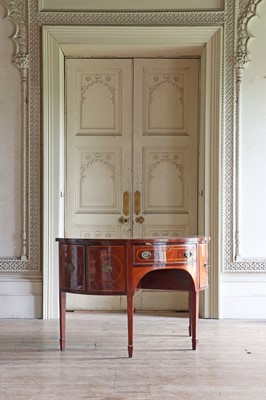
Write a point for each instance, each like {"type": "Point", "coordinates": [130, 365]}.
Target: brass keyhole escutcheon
{"type": "Point", "coordinates": [146, 255]}
{"type": "Point", "coordinates": [140, 220]}
{"type": "Point", "coordinates": [107, 268]}
{"type": "Point", "coordinates": [70, 267]}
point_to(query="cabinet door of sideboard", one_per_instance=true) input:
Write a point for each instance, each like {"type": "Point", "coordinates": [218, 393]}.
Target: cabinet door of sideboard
{"type": "Point", "coordinates": [72, 267]}
{"type": "Point", "coordinates": [204, 265]}
{"type": "Point", "coordinates": [107, 268]}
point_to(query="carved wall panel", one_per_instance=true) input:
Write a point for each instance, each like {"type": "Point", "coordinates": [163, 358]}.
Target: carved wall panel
{"type": "Point", "coordinates": [165, 102]}
{"type": "Point", "coordinates": [164, 231]}
{"type": "Point", "coordinates": [100, 95]}
{"type": "Point", "coordinates": [106, 232]}
{"type": "Point", "coordinates": [99, 175]}
{"type": "Point", "coordinates": [165, 180]}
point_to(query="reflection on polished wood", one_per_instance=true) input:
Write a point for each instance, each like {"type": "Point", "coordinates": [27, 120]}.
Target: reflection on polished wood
{"type": "Point", "coordinates": [124, 266]}
{"type": "Point", "coordinates": [229, 364]}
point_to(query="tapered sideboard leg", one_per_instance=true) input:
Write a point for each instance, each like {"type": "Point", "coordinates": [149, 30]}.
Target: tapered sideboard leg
{"type": "Point", "coordinates": [130, 312]}
{"type": "Point", "coordinates": [190, 314]}
{"type": "Point", "coordinates": [194, 312]}
{"type": "Point", "coordinates": [62, 311]}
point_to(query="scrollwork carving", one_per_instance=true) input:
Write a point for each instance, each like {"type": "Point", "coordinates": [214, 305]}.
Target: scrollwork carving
{"type": "Point", "coordinates": [16, 11]}
{"type": "Point", "coordinates": [242, 56]}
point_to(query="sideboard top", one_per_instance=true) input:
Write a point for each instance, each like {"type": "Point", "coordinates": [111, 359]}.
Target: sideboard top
{"type": "Point", "coordinates": [139, 241]}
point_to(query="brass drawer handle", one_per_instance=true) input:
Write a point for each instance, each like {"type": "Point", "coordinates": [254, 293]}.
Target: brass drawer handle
{"type": "Point", "coordinates": [146, 255]}
{"type": "Point", "coordinates": [188, 254]}
{"type": "Point", "coordinates": [107, 268]}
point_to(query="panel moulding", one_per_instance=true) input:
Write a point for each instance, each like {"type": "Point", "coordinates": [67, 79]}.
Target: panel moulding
{"type": "Point", "coordinates": [17, 13]}
{"type": "Point", "coordinates": [248, 11]}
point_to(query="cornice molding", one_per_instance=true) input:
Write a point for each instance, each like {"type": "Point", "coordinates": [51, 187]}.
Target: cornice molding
{"type": "Point", "coordinates": [133, 18]}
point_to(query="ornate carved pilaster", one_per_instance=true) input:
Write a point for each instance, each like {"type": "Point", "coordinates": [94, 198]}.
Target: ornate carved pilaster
{"type": "Point", "coordinates": [16, 11]}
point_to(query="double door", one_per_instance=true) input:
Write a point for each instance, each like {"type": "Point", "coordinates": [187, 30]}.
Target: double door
{"type": "Point", "coordinates": [131, 148]}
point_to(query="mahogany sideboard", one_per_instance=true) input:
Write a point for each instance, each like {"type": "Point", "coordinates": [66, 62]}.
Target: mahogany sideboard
{"type": "Point", "coordinates": [124, 266]}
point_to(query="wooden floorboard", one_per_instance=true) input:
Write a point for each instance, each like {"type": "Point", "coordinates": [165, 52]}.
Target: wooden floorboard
{"type": "Point", "coordinates": [229, 364]}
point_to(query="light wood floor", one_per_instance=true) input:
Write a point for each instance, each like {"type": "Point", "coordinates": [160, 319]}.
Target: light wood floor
{"type": "Point", "coordinates": [230, 363]}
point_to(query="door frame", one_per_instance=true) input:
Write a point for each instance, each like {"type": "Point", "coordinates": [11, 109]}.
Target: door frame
{"type": "Point", "coordinates": [72, 41]}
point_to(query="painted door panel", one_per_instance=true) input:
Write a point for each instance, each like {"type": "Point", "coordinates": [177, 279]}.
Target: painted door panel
{"type": "Point", "coordinates": [131, 155]}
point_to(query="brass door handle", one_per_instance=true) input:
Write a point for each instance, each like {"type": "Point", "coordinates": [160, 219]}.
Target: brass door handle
{"type": "Point", "coordinates": [126, 203]}
{"type": "Point", "coordinates": [137, 202]}
{"type": "Point", "coordinates": [140, 220]}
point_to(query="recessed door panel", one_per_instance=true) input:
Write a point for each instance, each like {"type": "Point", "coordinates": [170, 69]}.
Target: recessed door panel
{"type": "Point", "coordinates": [99, 147]}
{"type": "Point", "coordinates": [165, 146]}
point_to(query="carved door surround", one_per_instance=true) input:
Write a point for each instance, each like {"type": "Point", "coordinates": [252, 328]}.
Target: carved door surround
{"type": "Point", "coordinates": [60, 42]}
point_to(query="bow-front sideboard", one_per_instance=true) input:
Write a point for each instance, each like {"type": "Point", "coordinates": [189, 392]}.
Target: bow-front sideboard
{"type": "Point", "coordinates": [124, 266]}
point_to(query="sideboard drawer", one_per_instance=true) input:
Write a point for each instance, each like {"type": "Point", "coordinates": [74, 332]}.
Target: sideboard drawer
{"type": "Point", "coordinates": [107, 269]}
{"type": "Point", "coordinates": [72, 267]}
{"type": "Point", "coordinates": [158, 254]}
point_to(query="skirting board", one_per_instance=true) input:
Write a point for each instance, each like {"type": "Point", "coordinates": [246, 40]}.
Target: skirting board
{"type": "Point", "coordinates": [243, 296]}
{"type": "Point", "coordinates": [20, 296]}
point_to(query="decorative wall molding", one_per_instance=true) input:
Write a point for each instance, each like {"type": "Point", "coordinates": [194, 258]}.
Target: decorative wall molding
{"type": "Point", "coordinates": [135, 18]}
{"type": "Point", "coordinates": [242, 56]}
{"type": "Point", "coordinates": [17, 13]}
{"type": "Point", "coordinates": [27, 56]}
{"type": "Point", "coordinates": [247, 12]}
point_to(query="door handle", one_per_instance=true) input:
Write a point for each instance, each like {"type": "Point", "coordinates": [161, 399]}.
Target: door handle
{"type": "Point", "coordinates": [140, 220]}
{"type": "Point", "coordinates": [126, 203]}
{"type": "Point", "coordinates": [137, 202]}
{"type": "Point", "coordinates": [123, 220]}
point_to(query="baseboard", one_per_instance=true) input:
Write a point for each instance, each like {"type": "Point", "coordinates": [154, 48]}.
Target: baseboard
{"type": "Point", "coordinates": [243, 296]}
{"type": "Point", "coordinates": [20, 296]}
